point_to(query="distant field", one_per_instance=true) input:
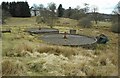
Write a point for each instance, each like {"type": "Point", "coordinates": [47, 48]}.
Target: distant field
{"type": "Point", "coordinates": [20, 21]}
{"type": "Point", "coordinates": [26, 55]}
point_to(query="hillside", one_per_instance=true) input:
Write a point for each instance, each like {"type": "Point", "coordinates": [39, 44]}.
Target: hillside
{"type": "Point", "coordinates": [26, 55]}
{"type": "Point", "coordinates": [20, 21]}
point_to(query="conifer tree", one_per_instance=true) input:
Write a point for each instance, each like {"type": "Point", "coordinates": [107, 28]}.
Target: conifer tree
{"type": "Point", "coordinates": [60, 11]}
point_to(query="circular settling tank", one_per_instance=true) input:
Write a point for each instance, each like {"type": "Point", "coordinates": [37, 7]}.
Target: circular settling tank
{"type": "Point", "coordinates": [42, 30]}
{"type": "Point", "coordinates": [68, 39]}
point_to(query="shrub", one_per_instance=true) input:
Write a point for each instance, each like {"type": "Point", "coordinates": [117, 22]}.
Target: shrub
{"type": "Point", "coordinates": [115, 24]}
{"type": "Point", "coordinates": [115, 28]}
{"type": "Point", "coordinates": [40, 19]}
{"type": "Point", "coordinates": [85, 22]}
{"type": "Point", "coordinates": [5, 15]}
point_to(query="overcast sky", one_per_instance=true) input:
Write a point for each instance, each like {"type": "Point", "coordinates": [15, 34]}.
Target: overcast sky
{"type": "Point", "coordinates": [104, 6]}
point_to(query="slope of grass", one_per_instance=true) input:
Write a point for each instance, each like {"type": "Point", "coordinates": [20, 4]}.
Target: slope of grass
{"type": "Point", "coordinates": [40, 59]}
{"type": "Point", "coordinates": [67, 21]}
{"type": "Point", "coordinates": [20, 21]}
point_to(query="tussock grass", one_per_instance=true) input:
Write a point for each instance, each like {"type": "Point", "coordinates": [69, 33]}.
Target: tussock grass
{"type": "Point", "coordinates": [49, 60]}
{"type": "Point", "coordinates": [56, 65]}
{"type": "Point", "coordinates": [12, 68]}
{"type": "Point", "coordinates": [57, 50]}
{"type": "Point", "coordinates": [18, 50]}
{"type": "Point", "coordinates": [22, 49]}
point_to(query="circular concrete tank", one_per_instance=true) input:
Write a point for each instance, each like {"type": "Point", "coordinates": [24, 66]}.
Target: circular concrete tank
{"type": "Point", "coordinates": [69, 40]}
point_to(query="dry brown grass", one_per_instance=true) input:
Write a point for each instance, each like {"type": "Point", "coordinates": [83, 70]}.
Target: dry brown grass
{"type": "Point", "coordinates": [57, 50]}
{"type": "Point", "coordinates": [48, 60]}
{"type": "Point", "coordinates": [12, 68]}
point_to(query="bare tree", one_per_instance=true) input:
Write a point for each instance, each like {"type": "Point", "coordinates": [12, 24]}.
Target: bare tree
{"type": "Point", "coordinates": [51, 13]}
{"type": "Point", "coordinates": [86, 9]}
{"type": "Point", "coordinates": [52, 7]}
{"type": "Point", "coordinates": [47, 14]}
{"type": "Point", "coordinates": [115, 19]}
{"type": "Point", "coordinates": [95, 15]}
{"type": "Point", "coordinates": [41, 6]}
{"type": "Point", "coordinates": [117, 9]}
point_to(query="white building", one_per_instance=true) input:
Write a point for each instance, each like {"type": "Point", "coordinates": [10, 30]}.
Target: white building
{"type": "Point", "coordinates": [35, 11]}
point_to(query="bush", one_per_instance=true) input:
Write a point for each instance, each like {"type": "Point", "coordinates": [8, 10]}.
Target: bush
{"type": "Point", "coordinates": [115, 24]}
{"type": "Point", "coordinates": [75, 16]}
{"type": "Point", "coordinates": [5, 15]}
{"type": "Point", "coordinates": [115, 28]}
{"type": "Point", "coordinates": [85, 22]}
{"type": "Point", "coordinates": [40, 20]}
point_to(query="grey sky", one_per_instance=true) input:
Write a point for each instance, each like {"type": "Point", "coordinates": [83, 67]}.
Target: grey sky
{"type": "Point", "coordinates": [104, 6]}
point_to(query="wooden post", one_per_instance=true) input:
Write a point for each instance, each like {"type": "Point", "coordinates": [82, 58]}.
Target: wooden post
{"type": "Point", "coordinates": [72, 31]}
{"type": "Point", "coordinates": [39, 27]}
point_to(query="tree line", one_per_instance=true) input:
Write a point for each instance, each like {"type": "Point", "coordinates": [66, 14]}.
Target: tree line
{"type": "Point", "coordinates": [22, 9]}
{"type": "Point", "coordinates": [51, 12]}
{"type": "Point", "coordinates": [16, 9]}
{"type": "Point", "coordinates": [74, 13]}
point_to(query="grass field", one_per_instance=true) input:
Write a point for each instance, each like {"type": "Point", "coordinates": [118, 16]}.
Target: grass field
{"type": "Point", "coordinates": [26, 55]}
